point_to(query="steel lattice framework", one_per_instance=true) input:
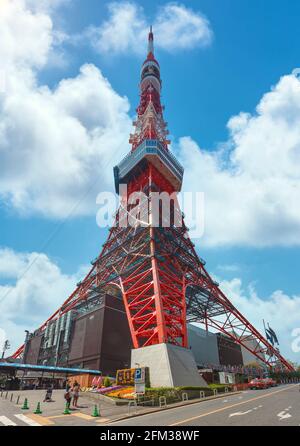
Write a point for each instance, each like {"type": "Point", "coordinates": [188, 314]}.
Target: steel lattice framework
{"type": "Point", "coordinates": [164, 283]}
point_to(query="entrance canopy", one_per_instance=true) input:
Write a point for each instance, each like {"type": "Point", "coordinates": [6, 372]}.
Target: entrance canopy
{"type": "Point", "coordinates": [10, 367]}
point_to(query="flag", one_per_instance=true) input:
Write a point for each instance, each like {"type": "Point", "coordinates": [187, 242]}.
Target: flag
{"type": "Point", "coordinates": [270, 337]}
{"type": "Point", "coordinates": [273, 334]}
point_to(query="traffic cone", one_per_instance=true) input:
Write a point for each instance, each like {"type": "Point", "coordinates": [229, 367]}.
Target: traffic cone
{"type": "Point", "coordinates": [67, 410]}
{"type": "Point", "coordinates": [38, 409]}
{"type": "Point", "coordinates": [95, 412]}
{"type": "Point", "coordinates": [25, 405]}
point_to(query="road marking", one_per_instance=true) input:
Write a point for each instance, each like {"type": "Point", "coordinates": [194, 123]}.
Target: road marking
{"type": "Point", "coordinates": [103, 420]}
{"type": "Point", "coordinates": [84, 416]}
{"type": "Point", "coordinates": [284, 415]}
{"type": "Point", "coordinates": [6, 421]}
{"type": "Point", "coordinates": [44, 421]}
{"type": "Point", "coordinates": [232, 405]}
{"type": "Point", "coordinates": [27, 420]}
{"type": "Point", "coordinates": [58, 416]}
{"type": "Point", "coordinates": [238, 414]}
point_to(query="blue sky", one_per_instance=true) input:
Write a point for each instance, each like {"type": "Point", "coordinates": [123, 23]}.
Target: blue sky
{"type": "Point", "coordinates": [245, 59]}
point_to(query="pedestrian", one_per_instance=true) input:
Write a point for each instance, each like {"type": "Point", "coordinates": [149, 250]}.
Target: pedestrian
{"type": "Point", "coordinates": [48, 396]}
{"type": "Point", "coordinates": [76, 389]}
{"type": "Point", "coordinates": [68, 396]}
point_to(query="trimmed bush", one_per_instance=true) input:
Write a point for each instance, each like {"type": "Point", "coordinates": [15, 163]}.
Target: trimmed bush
{"type": "Point", "coordinates": [107, 382]}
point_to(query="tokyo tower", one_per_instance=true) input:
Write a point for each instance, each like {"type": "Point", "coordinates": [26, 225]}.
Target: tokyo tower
{"type": "Point", "coordinates": [163, 282]}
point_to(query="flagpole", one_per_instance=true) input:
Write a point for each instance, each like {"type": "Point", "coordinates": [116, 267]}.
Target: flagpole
{"type": "Point", "coordinates": [265, 328]}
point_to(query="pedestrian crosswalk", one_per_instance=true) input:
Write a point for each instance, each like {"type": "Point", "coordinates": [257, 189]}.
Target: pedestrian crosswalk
{"type": "Point", "coordinates": [17, 420]}
{"type": "Point", "coordinates": [6, 421]}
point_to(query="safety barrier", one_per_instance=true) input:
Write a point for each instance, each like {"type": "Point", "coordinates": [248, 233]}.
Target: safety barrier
{"type": "Point", "coordinates": [185, 396]}
{"type": "Point", "coordinates": [162, 401]}
{"type": "Point", "coordinates": [130, 405]}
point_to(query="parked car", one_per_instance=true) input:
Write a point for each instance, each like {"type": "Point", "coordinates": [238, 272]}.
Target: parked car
{"type": "Point", "coordinates": [256, 383]}
{"type": "Point", "coordinates": [270, 382]}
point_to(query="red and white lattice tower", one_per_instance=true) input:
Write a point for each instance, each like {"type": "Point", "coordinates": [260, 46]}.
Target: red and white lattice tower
{"type": "Point", "coordinates": [164, 283]}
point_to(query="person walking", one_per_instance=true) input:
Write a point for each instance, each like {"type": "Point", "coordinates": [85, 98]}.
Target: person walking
{"type": "Point", "coordinates": [68, 395]}
{"type": "Point", "coordinates": [76, 389]}
{"type": "Point", "coordinates": [48, 396]}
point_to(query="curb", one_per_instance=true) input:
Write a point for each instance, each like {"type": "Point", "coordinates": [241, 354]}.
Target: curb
{"type": "Point", "coordinates": [175, 406]}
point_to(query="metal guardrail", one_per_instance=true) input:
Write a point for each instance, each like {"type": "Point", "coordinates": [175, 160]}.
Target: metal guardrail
{"type": "Point", "coordinates": [130, 405]}
{"type": "Point", "coordinates": [185, 397]}
{"type": "Point", "coordinates": [162, 401]}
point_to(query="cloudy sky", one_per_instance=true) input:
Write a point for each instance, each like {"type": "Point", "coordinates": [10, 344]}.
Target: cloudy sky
{"type": "Point", "coordinates": [69, 74]}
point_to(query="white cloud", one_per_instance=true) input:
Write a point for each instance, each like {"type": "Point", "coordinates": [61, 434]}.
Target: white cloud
{"type": "Point", "coordinates": [125, 31]}
{"type": "Point", "coordinates": [252, 183]}
{"type": "Point", "coordinates": [178, 27]}
{"type": "Point", "coordinates": [279, 309]}
{"type": "Point", "coordinates": [45, 5]}
{"type": "Point", "coordinates": [54, 144]}
{"type": "Point", "coordinates": [230, 268]}
{"type": "Point", "coordinates": [38, 288]}
{"type": "Point", "coordinates": [25, 37]}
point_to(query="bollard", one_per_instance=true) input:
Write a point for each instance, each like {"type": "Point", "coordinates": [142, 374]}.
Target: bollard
{"type": "Point", "coordinates": [6, 395]}
{"type": "Point", "coordinates": [185, 397]}
{"type": "Point", "coordinates": [202, 394]}
{"type": "Point", "coordinates": [11, 397]}
{"type": "Point", "coordinates": [215, 392]}
{"type": "Point", "coordinates": [226, 390]}
{"type": "Point", "coordinates": [18, 399]}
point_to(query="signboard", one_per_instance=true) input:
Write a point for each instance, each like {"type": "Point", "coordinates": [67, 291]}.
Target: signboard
{"type": "Point", "coordinates": [140, 389]}
{"type": "Point", "coordinates": [125, 377]}
{"type": "Point", "coordinates": [139, 376]}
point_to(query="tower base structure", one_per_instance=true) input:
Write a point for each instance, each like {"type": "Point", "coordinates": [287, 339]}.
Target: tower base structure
{"type": "Point", "coordinates": [169, 365]}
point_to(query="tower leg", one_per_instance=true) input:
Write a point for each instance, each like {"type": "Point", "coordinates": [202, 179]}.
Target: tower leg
{"type": "Point", "coordinates": [169, 365]}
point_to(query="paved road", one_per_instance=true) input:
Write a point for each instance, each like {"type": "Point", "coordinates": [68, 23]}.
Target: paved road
{"type": "Point", "coordinates": [11, 416]}
{"type": "Point", "coordinates": [278, 406]}
{"type": "Point", "coordinates": [273, 407]}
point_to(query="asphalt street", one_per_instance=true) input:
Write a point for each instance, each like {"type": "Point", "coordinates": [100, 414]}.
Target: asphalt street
{"type": "Point", "coordinates": [278, 406]}
{"type": "Point", "coordinates": [11, 416]}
